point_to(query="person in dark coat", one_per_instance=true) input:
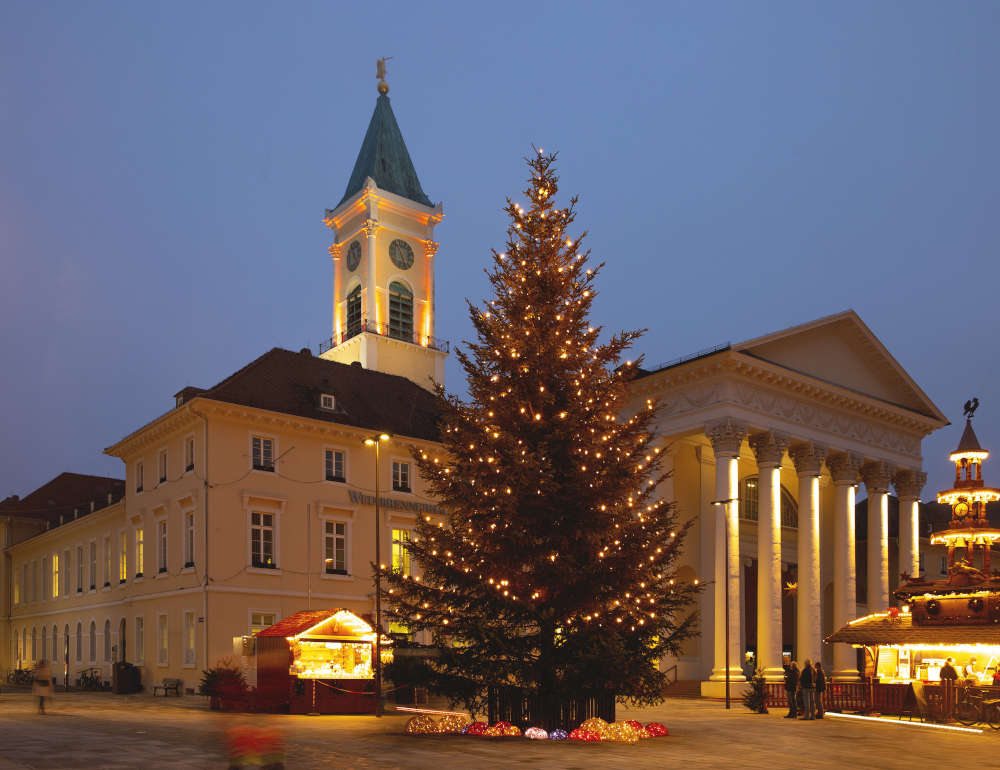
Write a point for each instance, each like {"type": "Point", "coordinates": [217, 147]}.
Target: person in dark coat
{"type": "Point", "coordinates": [820, 678]}
{"type": "Point", "coordinates": [807, 683]}
{"type": "Point", "coordinates": [791, 687]}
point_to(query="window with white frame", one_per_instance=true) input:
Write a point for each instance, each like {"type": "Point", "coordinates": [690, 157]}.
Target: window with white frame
{"type": "Point", "coordinates": [189, 454]}
{"type": "Point", "coordinates": [55, 575]}
{"type": "Point", "coordinates": [46, 577]}
{"type": "Point", "coordinates": [263, 453]}
{"type": "Point", "coordinates": [79, 642]}
{"type": "Point", "coordinates": [262, 540]}
{"type": "Point", "coordinates": [161, 546]}
{"type": "Point", "coordinates": [327, 401]}
{"type": "Point", "coordinates": [140, 640]}
{"type": "Point", "coordinates": [335, 465]}
{"type": "Point", "coordinates": [139, 476]}
{"type": "Point", "coordinates": [401, 476]}
{"type": "Point", "coordinates": [79, 569]}
{"type": "Point", "coordinates": [162, 651]}
{"type": "Point", "coordinates": [107, 560]}
{"type": "Point", "coordinates": [400, 552]}
{"type": "Point", "coordinates": [189, 638]}
{"type": "Point", "coordinates": [93, 642]}
{"type": "Point", "coordinates": [93, 564]}
{"type": "Point", "coordinates": [140, 554]}
{"type": "Point", "coordinates": [189, 539]}
{"type": "Point", "coordinates": [122, 556]}
{"type": "Point", "coordinates": [261, 620]}
{"type": "Point", "coordinates": [161, 466]}
{"type": "Point", "coordinates": [107, 641]}
{"type": "Point", "coordinates": [66, 566]}
{"type": "Point", "coordinates": [335, 547]}
{"type": "Point", "coordinates": [55, 645]}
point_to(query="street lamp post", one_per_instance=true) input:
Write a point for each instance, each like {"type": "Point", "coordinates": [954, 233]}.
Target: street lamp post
{"type": "Point", "coordinates": [376, 442]}
{"type": "Point", "coordinates": [725, 519]}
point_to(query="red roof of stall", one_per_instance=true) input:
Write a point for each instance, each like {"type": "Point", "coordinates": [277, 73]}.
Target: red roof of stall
{"type": "Point", "coordinates": [302, 621]}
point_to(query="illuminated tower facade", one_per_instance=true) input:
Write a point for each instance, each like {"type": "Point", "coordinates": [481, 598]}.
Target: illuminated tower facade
{"type": "Point", "coordinates": [383, 260]}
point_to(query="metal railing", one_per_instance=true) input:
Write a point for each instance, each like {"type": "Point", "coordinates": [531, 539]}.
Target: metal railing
{"type": "Point", "coordinates": [692, 356]}
{"type": "Point", "coordinates": [384, 330]}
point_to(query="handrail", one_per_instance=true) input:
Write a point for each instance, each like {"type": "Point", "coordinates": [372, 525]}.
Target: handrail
{"type": "Point", "coordinates": [692, 356]}
{"type": "Point", "coordinates": [383, 330]}
{"type": "Point", "coordinates": [666, 674]}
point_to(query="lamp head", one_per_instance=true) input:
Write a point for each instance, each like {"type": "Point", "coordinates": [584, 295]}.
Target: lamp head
{"type": "Point", "coordinates": [383, 437]}
{"type": "Point", "coordinates": [369, 442]}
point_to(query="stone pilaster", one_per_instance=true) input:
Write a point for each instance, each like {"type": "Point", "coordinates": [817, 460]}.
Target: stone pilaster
{"type": "Point", "coordinates": [908, 484]}
{"type": "Point", "coordinates": [877, 476]}
{"type": "Point", "coordinates": [808, 459]}
{"type": "Point", "coordinates": [844, 469]}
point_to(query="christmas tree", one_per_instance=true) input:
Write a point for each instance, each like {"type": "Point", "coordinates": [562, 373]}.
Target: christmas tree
{"type": "Point", "coordinates": [755, 696]}
{"type": "Point", "coordinates": [554, 569]}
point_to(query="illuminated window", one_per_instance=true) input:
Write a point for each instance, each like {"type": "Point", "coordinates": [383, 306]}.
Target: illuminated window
{"type": "Point", "coordinates": [749, 503]}
{"type": "Point", "coordinates": [262, 540]}
{"type": "Point", "coordinates": [354, 312]}
{"type": "Point", "coordinates": [261, 620]}
{"type": "Point", "coordinates": [189, 454]}
{"type": "Point", "coordinates": [138, 476]}
{"type": "Point", "coordinates": [400, 552]}
{"type": "Point", "coordinates": [55, 575]}
{"type": "Point", "coordinates": [189, 539]}
{"type": "Point", "coordinates": [189, 639]}
{"type": "Point", "coordinates": [335, 547]}
{"type": "Point", "coordinates": [161, 545]}
{"type": "Point", "coordinates": [122, 557]}
{"type": "Point", "coordinates": [400, 312]}
{"type": "Point", "coordinates": [334, 465]}
{"type": "Point", "coordinates": [263, 453]}
{"type": "Point", "coordinates": [400, 476]}
{"type": "Point", "coordinates": [139, 553]}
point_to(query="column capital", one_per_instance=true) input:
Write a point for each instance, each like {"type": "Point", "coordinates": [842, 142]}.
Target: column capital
{"type": "Point", "coordinates": [807, 457]}
{"type": "Point", "coordinates": [877, 475]}
{"type": "Point", "coordinates": [336, 249]}
{"type": "Point", "coordinates": [844, 467]}
{"type": "Point", "coordinates": [908, 483]}
{"type": "Point", "coordinates": [768, 448]}
{"type": "Point", "coordinates": [726, 437]}
{"type": "Point", "coordinates": [371, 227]}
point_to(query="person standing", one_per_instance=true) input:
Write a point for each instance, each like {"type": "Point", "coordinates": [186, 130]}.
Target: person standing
{"type": "Point", "coordinates": [820, 680]}
{"type": "Point", "coordinates": [807, 683]}
{"type": "Point", "coordinates": [42, 685]}
{"type": "Point", "coordinates": [948, 677]}
{"type": "Point", "coordinates": [791, 687]}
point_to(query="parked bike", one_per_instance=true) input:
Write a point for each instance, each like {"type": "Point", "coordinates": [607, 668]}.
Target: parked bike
{"type": "Point", "coordinates": [977, 706]}
{"type": "Point", "coordinates": [90, 679]}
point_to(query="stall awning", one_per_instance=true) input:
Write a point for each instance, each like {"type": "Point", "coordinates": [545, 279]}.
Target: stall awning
{"type": "Point", "coordinates": [880, 629]}
{"type": "Point", "coordinates": [321, 623]}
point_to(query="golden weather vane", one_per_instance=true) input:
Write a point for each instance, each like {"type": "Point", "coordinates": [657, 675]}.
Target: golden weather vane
{"type": "Point", "coordinates": [383, 87]}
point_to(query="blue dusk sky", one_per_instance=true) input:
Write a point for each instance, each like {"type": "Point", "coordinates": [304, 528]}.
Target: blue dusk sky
{"type": "Point", "coordinates": [742, 166]}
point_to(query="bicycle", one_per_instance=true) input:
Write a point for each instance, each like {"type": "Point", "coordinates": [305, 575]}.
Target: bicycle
{"type": "Point", "coordinates": [90, 679]}
{"type": "Point", "coordinates": [973, 706]}
{"type": "Point", "coordinates": [20, 676]}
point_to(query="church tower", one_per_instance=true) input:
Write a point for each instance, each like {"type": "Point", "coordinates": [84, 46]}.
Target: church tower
{"type": "Point", "coordinates": [383, 260]}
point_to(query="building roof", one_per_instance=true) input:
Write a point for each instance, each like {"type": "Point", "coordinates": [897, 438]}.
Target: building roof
{"type": "Point", "coordinates": [335, 622]}
{"type": "Point", "coordinates": [384, 158]}
{"type": "Point", "coordinates": [969, 442]}
{"type": "Point", "coordinates": [63, 494]}
{"type": "Point", "coordinates": [880, 629]}
{"type": "Point", "coordinates": [292, 383]}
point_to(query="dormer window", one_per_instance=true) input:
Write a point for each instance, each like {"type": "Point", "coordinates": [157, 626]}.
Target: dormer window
{"type": "Point", "coordinates": [326, 401]}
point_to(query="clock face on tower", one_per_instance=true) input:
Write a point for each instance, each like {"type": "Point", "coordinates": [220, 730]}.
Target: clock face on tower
{"type": "Point", "coordinates": [353, 256]}
{"type": "Point", "coordinates": [961, 511]}
{"type": "Point", "coordinates": [401, 254]}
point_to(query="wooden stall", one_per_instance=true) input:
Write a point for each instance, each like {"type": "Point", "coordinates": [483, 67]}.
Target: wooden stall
{"type": "Point", "coordinates": [318, 662]}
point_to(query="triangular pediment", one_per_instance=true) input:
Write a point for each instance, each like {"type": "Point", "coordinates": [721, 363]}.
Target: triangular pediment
{"type": "Point", "coordinates": [843, 351]}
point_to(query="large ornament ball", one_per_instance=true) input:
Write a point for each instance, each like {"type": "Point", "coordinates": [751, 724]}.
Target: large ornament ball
{"type": "Point", "coordinates": [656, 730]}
{"type": "Point", "coordinates": [536, 734]}
{"type": "Point", "coordinates": [643, 732]}
{"type": "Point", "coordinates": [596, 725]}
{"type": "Point", "coordinates": [493, 732]}
{"type": "Point", "coordinates": [558, 734]}
{"type": "Point", "coordinates": [453, 724]}
{"type": "Point", "coordinates": [621, 732]}
{"type": "Point", "coordinates": [513, 731]}
{"type": "Point", "coordinates": [476, 728]}
{"type": "Point", "coordinates": [587, 736]}
{"type": "Point", "coordinates": [421, 725]}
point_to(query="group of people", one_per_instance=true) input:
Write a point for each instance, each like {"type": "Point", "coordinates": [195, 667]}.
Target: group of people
{"type": "Point", "coordinates": [805, 690]}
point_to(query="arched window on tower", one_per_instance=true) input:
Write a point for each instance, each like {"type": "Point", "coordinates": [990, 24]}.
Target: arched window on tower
{"type": "Point", "coordinates": [749, 503]}
{"type": "Point", "coordinates": [354, 312]}
{"type": "Point", "coordinates": [400, 312]}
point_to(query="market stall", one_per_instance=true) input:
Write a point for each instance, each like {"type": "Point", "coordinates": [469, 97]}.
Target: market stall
{"type": "Point", "coordinates": [318, 662]}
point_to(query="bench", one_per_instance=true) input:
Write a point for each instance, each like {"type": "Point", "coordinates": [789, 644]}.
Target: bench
{"type": "Point", "coordinates": [168, 685]}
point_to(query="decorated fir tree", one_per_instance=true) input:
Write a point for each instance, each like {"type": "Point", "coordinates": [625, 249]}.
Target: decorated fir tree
{"type": "Point", "coordinates": [554, 569]}
{"type": "Point", "coordinates": [755, 696]}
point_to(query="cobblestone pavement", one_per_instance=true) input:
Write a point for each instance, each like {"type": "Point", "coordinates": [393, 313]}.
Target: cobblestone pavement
{"type": "Point", "coordinates": [97, 730]}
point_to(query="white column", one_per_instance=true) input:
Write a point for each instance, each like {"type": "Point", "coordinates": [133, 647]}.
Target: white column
{"type": "Point", "coordinates": [876, 476]}
{"type": "Point", "coordinates": [336, 250]}
{"type": "Point", "coordinates": [808, 459]}
{"type": "Point", "coordinates": [430, 250]}
{"type": "Point", "coordinates": [908, 485]}
{"type": "Point", "coordinates": [371, 295]}
{"type": "Point", "coordinates": [769, 450]}
{"type": "Point", "coordinates": [844, 470]}
{"type": "Point", "coordinates": [726, 440]}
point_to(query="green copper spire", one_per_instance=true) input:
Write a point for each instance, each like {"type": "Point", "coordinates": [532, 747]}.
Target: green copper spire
{"type": "Point", "coordinates": [384, 158]}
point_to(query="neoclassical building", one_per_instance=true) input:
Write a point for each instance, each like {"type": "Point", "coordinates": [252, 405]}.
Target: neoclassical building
{"type": "Point", "coordinates": [253, 499]}
{"type": "Point", "coordinates": [770, 440]}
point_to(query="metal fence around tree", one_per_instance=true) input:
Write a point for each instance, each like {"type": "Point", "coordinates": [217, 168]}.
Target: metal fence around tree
{"type": "Point", "coordinates": [527, 709]}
